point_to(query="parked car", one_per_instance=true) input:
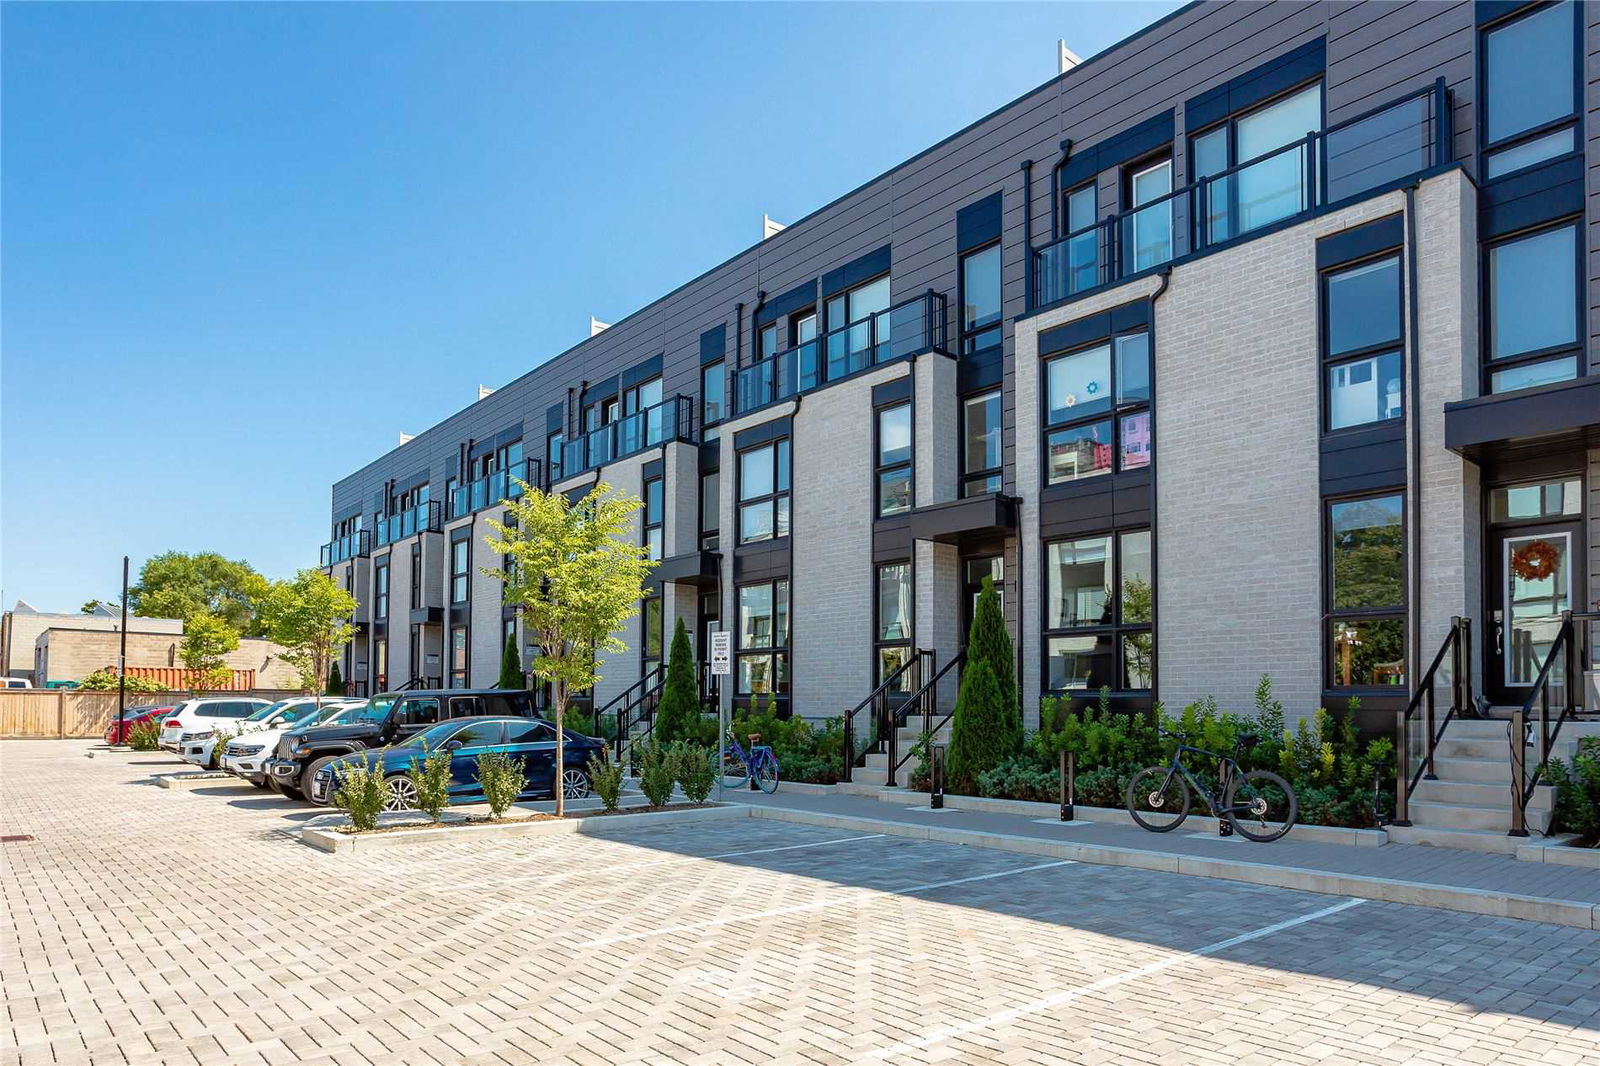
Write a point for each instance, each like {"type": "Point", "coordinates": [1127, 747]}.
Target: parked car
{"type": "Point", "coordinates": [389, 718]}
{"type": "Point", "coordinates": [533, 740]}
{"type": "Point", "coordinates": [120, 728]}
{"type": "Point", "coordinates": [14, 682]}
{"type": "Point", "coordinates": [284, 712]}
{"type": "Point", "coordinates": [196, 719]}
{"type": "Point", "coordinates": [246, 756]}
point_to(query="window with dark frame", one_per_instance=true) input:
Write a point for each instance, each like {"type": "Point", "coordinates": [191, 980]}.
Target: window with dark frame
{"type": "Point", "coordinates": [981, 443]}
{"type": "Point", "coordinates": [1097, 409]}
{"type": "Point", "coordinates": [460, 572]}
{"type": "Point", "coordinates": [762, 655]}
{"type": "Point", "coordinates": [1146, 237]}
{"type": "Point", "coordinates": [1535, 308]}
{"type": "Point", "coordinates": [650, 620]}
{"type": "Point", "coordinates": [380, 664]}
{"type": "Point", "coordinates": [380, 581]}
{"type": "Point", "coordinates": [980, 300]}
{"type": "Point", "coordinates": [552, 456]}
{"type": "Point", "coordinates": [710, 510]}
{"type": "Point", "coordinates": [654, 508]}
{"type": "Point", "coordinates": [416, 577]}
{"type": "Point", "coordinates": [1365, 559]}
{"type": "Point", "coordinates": [1099, 613]}
{"type": "Point", "coordinates": [1361, 344]}
{"type": "Point", "coordinates": [713, 393]}
{"type": "Point", "coordinates": [458, 657]}
{"type": "Point", "coordinates": [893, 437]}
{"type": "Point", "coordinates": [857, 326]}
{"type": "Point", "coordinates": [1530, 95]}
{"type": "Point", "coordinates": [1274, 186]}
{"type": "Point", "coordinates": [764, 492]}
{"type": "Point", "coordinates": [892, 623]}
{"type": "Point", "coordinates": [1079, 208]}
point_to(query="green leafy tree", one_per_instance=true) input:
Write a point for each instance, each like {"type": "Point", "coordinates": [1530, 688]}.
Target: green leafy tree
{"type": "Point", "coordinates": [206, 644]}
{"type": "Point", "coordinates": [988, 642]}
{"type": "Point", "coordinates": [980, 732]}
{"type": "Point", "coordinates": [335, 682]}
{"type": "Point", "coordinates": [678, 717]}
{"type": "Point", "coordinates": [106, 681]}
{"type": "Point", "coordinates": [511, 675]}
{"type": "Point", "coordinates": [178, 585]}
{"type": "Point", "coordinates": [576, 574]}
{"type": "Point", "coordinates": [310, 617]}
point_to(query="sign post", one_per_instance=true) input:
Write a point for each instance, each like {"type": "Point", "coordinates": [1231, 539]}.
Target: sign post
{"type": "Point", "coordinates": [721, 666]}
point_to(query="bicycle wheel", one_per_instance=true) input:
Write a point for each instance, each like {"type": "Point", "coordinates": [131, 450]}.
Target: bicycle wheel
{"type": "Point", "coordinates": [1158, 799]}
{"type": "Point", "coordinates": [735, 771]}
{"type": "Point", "coordinates": [767, 772]}
{"type": "Point", "coordinates": [1261, 806]}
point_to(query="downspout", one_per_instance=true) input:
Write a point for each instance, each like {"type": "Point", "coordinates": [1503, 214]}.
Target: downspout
{"type": "Point", "coordinates": [1155, 517]}
{"type": "Point", "coordinates": [1027, 233]}
{"type": "Point", "coordinates": [1055, 190]}
{"type": "Point", "coordinates": [1413, 415]}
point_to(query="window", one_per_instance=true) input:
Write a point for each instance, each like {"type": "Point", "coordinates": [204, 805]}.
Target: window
{"type": "Point", "coordinates": [769, 340]}
{"type": "Point", "coordinates": [1147, 233]}
{"type": "Point", "coordinates": [418, 711]}
{"type": "Point", "coordinates": [1531, 503]}
{"type": "Point", "coordinates": [1083, 248]}
{"type": "Point", "coordinates": [710, 511]}
{"type": "Point", "coordinates": [381, 584]}
{"type": "Point", "coordinates": [857, 326]}
{"type": "Point", "coordinates": [893, 637]}
{"type": "Point", "coordinates": [1534, 309]}
{"type": "Point", "coordinates": [651, 621]}
{"type": "Point", "coordinates": [458, 656]}
{"type": "Point", "coordinates": [1099, 613]}
{"type": "Point", "coordinates": [894, 460]}
{"type": "Point", "coordinates": [1361, 337]}
{"type": "Point", "coordinates": [1271, 188]}
{"type": "Point", "coordinates": [416, 581]}
{"type": "Point", "coordinates": [460, 559]}
{"type": "Point", "coordinates": [1530, 97]}
{"type": "Point", "coordinates": [552, 456]}
{"type": "Point", "coordinates": [980, 300]}
{"type": "Point", "coordinates": [1366, 616]}
{"type": "Point", "coordinates": [763, 658]}
{"type": "Point", "coordinates": [981, 444]}
{"type": "Point", "coordinates": [380, 664]}
{"type": "Point", "coordinates": [764, 492]}
{"type": "Point", "coordinates": [1098, 420]}
{"type": "Point", "coordinates": [530, 733]}
{"type": "Point", "coordinates": [654, 505]}
{"type": "Point", "coordinates": [713, 391]}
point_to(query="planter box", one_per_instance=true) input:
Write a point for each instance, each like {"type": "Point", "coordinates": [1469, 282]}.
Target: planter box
{"type": "Point", "coordinates": [329, 839]}
{"type": "Point", "coordinates": [1558, 851]}
{"type": "Point", "coordinates": [198, 779]}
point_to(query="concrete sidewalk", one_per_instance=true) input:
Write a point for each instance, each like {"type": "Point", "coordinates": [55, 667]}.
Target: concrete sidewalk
{"type": "Point", "coordinates": [1472, 882]}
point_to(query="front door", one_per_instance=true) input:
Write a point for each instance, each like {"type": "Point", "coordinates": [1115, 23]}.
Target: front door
{"type": "Point", "coordinates": [1534, 551]}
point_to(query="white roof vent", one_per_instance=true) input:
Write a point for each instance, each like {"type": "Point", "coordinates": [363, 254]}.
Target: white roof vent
{"type": "Point", "coordinates": [407, 438]}
{"type": "Point", "coordinates": [597, 327]}
{"type": "Point", "coordinates": [484, 390]}
{"type": "Point", "coordinates": [1066, 58]}
{"type": "Point", "coordinates": [770, 228]}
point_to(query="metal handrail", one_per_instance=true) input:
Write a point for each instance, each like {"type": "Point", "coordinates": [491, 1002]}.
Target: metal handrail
{"type": "Point", "coordinates": [674, 420]}
{"type": "Point", "coordinates": [628, 702]}
{"type": "Point", "coordinates": [926, 696]}
{"type": "Point", "coordinates": [877, 699]}
{"type": "Point", "coordinates": [1569, 646]}
{"type": "Point", "coordinates": [1457, 644]}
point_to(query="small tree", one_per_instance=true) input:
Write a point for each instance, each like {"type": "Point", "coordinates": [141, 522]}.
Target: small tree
{"type": "Point", "coordinates": [980, 728]}
{"type": "Point", "coordinates": [989, 642]}
{"type": "Point", "coordinates": [678, 717]}
{"type": "Point", "coordinates": [310, 617]}
{"type": "Point", "coordinates": [207, 640]}
{"type": "Point", "coordinates": [431, 776]}
{"type": "Point", "coordinates": [335, 682]}
{"type": "Point", "coordinates": [576, 574]}
{"type": "Point", "coordinates": [511, 675]}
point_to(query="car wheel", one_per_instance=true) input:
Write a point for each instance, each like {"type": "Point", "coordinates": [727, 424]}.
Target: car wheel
{"type": "Point", "coordinates": [574, 784]}
{"type": "Point", "coordinates": [284, 789]}
{"type": "Point", "coordinates": [258, 780]}
{"type": "Point", "coordinates": [399, 793]}
{"type": "Point", "coordinates": [310, 773]}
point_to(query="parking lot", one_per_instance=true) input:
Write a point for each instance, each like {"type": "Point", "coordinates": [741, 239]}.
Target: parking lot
{"type": "Point", "coordinates": [150, 926]}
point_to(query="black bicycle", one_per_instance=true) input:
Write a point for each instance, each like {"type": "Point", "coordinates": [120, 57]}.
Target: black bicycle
{"type": "Point", "coordinates": [1259, 803]}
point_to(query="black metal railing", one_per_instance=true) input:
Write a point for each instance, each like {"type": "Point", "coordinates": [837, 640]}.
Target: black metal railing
{"type": "Point", "coordinates": [1562, 671]}
{"type": "Point", "coordinates": [426, 517]}
{"type": "Point", "coordinates": [1418, 728]}
{"type": "Point", "coordinates": [495, 488]}
{"type": "Point", "coordinates": [908, 328]}
{"type": "Point", "coordinates": [924, 702]}
{"type": "Point", "coordinates": [1378, 148]}
{"type": "Point", "coordinates": [671, 419]}
{"type": "Point", "coordinates": [351, 546]}
{"type": "Point", "coordinates": [634, 704]}
{"type": "Point", "coordinates": [881, 701]}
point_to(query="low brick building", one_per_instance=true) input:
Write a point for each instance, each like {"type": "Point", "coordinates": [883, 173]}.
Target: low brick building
{"type": "Point", "coordinates": [72, 654]}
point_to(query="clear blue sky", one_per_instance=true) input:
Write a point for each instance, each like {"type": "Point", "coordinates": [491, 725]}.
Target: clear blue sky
{"type": "Point", "coordinates": [246, 245]}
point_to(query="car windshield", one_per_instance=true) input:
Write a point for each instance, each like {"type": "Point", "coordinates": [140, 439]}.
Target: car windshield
{"type": "Point", "coordinates": [429, 738]}
{"type": "Point", "coordinates": [339, 715]}
{"type": "Point", "coordinates": [376, 710]}
{"type": "Point", "coordinates": [268, 711]}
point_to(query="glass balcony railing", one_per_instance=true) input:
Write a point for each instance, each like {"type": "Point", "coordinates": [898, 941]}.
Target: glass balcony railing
{"type": "Point", "coordinates": [423, 518]}
{"type": "Point", "coordinates": [351, 546]}
{"type": "Point", "coordinates": [494, 488]}
{"type": "Point", "coordinates": [671, 419]}
{"type": "Point", "coordinates": [1376, 150]}
{"type": "Point", "coordinates": [919, 324]}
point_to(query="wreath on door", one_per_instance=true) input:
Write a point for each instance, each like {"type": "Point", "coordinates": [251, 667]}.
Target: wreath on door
{"type": "Point", "coordinates": [1535, 560]}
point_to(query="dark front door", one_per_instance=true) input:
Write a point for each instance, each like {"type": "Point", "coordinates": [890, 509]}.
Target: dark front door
{"type": "Point", "coordinates": [1535, 558]}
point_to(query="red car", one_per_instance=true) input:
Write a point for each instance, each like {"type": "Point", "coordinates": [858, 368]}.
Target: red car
{"type": "Point", "coordinates": [117, 732]}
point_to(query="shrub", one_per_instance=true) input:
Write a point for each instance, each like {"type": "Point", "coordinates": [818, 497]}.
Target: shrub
{"type": "Point", "coordinates": [695, 771]}
{"type": "Point", "coordinates": [605, 774]}
{"type": "Point", "coordinates": [988, 641]}
{"type": "Point", "coordinates": [431, 774]}
{"type": "Point", "coordinates": [805, 752]}
{"type": "Point", "coordinates": [657, 774]}
{"type": "Point", "coordinates": [1020, 778]}
{"type": "Point", "coordinates": [580, 720]}
{"type": "Point", "coordinates": [677, 717]}
{"type": "Point", "coordinates": [1578, 791]}
{"type": "Point", "coordinates": [145, 736]}
{"type": "Point", "coordinates": [511, 675]}
{"type": "Point", "coordinates": [921, 778]}
{"type": "Point", "coordinates": [980, 733]}
{"type": "Point", "coordinates": [106, 681]}
{"type": "Point", "coordinates": [360, 792]}
{"type": "Point", "coordinates": [502, 779]}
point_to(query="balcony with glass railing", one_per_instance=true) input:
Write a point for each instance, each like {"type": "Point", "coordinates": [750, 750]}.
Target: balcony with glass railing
{"type": "Point", "coordinates": [495, 488]}
{"type": "Point", "coordinates": [909, 328]}
{"type": "Point", "coordinates": [350, 546]}
{"type": "Point", "coordinates": [423, 518]}
{"type": "Point", "coordinates": [670, 420]}
{"type": "Point", "coordinates": [1378, 150]}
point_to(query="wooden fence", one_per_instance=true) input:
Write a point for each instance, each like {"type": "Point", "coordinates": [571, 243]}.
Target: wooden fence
{"type": "Point", "coordinates": [56, 714]}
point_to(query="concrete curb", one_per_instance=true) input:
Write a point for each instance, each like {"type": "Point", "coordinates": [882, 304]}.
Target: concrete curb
{"type": "Point", "coordinates": [332, 841]}
{"type": "Point", "coordinates": [197, 779]}
{"type": "Point", "coordinates": [1557, 852]}
{"type": "Point", "coordinates": [1579, 915]}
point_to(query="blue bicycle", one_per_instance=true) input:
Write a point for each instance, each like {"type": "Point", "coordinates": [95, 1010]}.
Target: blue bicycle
{"type": "Point", "coordinates": [740, 767]}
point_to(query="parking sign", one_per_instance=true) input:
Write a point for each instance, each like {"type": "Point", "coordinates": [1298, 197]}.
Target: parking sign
{"type": "Point", "coordinates": [722, 652]}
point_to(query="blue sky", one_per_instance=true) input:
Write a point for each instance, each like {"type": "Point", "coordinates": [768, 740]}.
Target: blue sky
{"type": "Point", "coordinates": [246, 245]}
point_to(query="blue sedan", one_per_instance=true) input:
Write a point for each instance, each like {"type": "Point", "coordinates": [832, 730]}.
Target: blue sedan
{"type": "Point", "coordinates": [533, 740]}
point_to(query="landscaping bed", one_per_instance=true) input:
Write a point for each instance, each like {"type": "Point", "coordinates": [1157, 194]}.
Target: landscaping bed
{"type": "Point", "coordinates": [339, 838]}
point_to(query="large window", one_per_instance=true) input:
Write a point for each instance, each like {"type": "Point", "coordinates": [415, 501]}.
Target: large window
{"type": "Point", "coordinates": [980, 300]}
{"type": "Point", "coordinates": [416, 579]}
{"type": "Point", "coordinates": [460, 572]}
{"type": "Point", "coordinates": [380, 578]}
{"type": "Point", "coordinates": [1099, 613]}
{"type": "Point", "coordinates": [1097, 410]}
{"type": "Point", "coordinates": [763, 656]}
{"type": "Point", "coordinates": [713, 386]}
{"type": "Point", "coordinates": [1147, 231]}
{"type": "Point", "coordinates": [552, 458]}
{"type": "Point", "coordinates": [458, 656]}
{"type": "Point", "coordinates": [1275, 185]}
{"type": "Point", "coordinates": [1079, 208]}
{"type": "Point", "coordinates": [651, 622]}
{"type": "Point", "coordinates": [380, 665]}
{"type": "Point", "coordinates": [764, 492]}
{"type": "Point", "coordinates": [894, 459]}
{"type": "Point", "coordinates": [893, 636]}
{"type": "Point", "coordinates": [857, 326]}
{"type": "Point", "coordinates": [1530, 99]}
{"type": "Point", "coordinates": [981, 443]}
{"type": "Point", "coordinates": [1361, 338]}
{"type": "Point", "coordinates": [1365, 634]}
{"type": "Point", "coordinates": [1534, 309]}
{"type": "Point", "coordinates": [710, 511]}
{"type": "Point", "coordinates": [654, 508]}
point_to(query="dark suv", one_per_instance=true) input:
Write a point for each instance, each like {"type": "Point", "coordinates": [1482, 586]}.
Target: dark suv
{"type": "Point", "coordinates": [387, 719]}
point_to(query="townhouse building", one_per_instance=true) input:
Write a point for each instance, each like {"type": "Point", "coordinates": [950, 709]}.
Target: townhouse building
{"type": "Point", "coordinates": [1261, 342]}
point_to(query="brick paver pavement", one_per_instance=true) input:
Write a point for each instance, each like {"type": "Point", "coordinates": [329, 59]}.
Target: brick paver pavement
{"type": "Point", "coordinates": [148, 926]}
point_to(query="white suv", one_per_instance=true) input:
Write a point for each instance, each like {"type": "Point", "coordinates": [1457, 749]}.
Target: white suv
{"type": "Point", "coordinates": [245, 754]}
{"type": "Point", "coordinates": [196, 720]}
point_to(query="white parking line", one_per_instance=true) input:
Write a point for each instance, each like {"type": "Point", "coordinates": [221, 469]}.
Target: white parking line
{"type": "Point", "coordinates": [1066, 996]}
{"type": "Point", "coordinates": [855, 897]}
